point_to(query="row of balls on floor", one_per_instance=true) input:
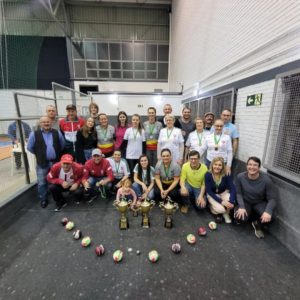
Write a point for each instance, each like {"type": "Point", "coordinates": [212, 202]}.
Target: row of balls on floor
{"type": "Point", "coordinates": [153, 255]}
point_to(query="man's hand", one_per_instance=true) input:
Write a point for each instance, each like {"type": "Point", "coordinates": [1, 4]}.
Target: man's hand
{"type": "Point", "coordinates": [227, 204]}
{"type": "Point", "coordinates": [86, 185]}
{"type": "Point", "coordinates": [265, 217]}
{"type": "Point", "coordinates": [241, 213]}
{"type": "Point", "coordinates": [201, 202]}
{"type": "Point", "coordinates": [74, 187]}
{"type": "Point", "coordinates": [228, 171]}
{"type": "Point", "coordinates": [65, 185]}
{"type": "Point", "coordinates": [184, 191]}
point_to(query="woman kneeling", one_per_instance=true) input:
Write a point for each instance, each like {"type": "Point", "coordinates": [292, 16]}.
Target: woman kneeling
{"type": "Point", "coordinates": [221, 192]}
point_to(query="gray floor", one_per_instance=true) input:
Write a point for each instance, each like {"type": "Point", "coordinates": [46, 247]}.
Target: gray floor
{"type": "Point", "coordinates": [40, 260]}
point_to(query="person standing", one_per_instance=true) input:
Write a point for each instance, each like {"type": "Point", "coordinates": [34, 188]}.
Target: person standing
{"type": "Point", "coordinates": [47, 145]}
{"type": "Point", "coordinates": [218, 144]}
{"type": "Point", "coordinates": [256, 197]}
{"type": "Point", "coordinates": [152, 129]}
{"type": "Point", "coordinates": [134, 142]}
{"type": "Point", "coordinates": [171, 138]}
{"type": "Point", "coordinates": [52, 115]}
{"type": "Point", "coordinates": [209, 119]}
{"type": "Point", "coordinates": [94, 111]}
{"type": "Point", "coordinates": [230, 129]}
{"type": "Point", "coordinates": [196, 138]}
{"type": "Point", "coordinates": [186, 122]}
{"type": "Point", "coordinates": [14, 133]}
{"type": "Point", "coordinates": [192, 182]}
{"type": "Point", "coordinates": [120, 130]}
{"type": "Point", "coordinates": [167, 110]}
{"type": "Point", "coordinates": [69, 127]}
{"type": "Point", "coordinates": [86, 141]}
{"type": "Point", "coordinates": [105, 136]}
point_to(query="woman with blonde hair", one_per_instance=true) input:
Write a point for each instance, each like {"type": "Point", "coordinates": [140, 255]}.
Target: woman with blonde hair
{"type": "Point", "coordinates": [221, 192]}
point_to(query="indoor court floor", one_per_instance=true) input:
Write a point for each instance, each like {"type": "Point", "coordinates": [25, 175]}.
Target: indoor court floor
{"type": "Point", "coordinates": [39, 259]}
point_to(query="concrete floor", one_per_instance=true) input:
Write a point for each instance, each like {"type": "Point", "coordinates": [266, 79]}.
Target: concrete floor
{"type": "Point", "coordinates": [39, 259]}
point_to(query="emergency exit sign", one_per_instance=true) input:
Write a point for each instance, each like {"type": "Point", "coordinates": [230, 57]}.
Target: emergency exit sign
{"type": "Point", "coordinates": [254, 100]}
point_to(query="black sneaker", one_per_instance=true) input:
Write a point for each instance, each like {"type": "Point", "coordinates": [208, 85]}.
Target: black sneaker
{"type": "Point", "coordinates": [258, 229]}
{"type": "Point", "coordinates": [219, 219]}
{"type": "Point", "coordinates": [44, 204]}
{"type": "Point", "coordinates": [59, 207]}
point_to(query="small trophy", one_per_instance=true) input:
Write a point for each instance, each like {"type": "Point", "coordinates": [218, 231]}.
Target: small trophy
{"type": "Point", "coordinates": [168, 207]}
{"type": "Point", "coordinates": [145, 207]}
{"type": "Point", "coordinates": [122, 207]}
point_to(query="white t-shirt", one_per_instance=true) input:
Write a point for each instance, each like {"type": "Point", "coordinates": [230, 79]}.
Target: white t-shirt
{"type": "Point", "coordinates": [218, 145]}
{"type": "Point", "coordinates": [119, 169]}
{"type": "Point", "coordinates": [196, 140]}
{"type": "Point", "coordinates": [135, 143]}
{"type": "Point", "coordinates": [171, 139]}
{"type": "Point", "coordinates": [68, 177]}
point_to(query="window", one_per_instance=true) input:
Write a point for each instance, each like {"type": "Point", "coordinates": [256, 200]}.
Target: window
{"type": "Point", "coordinates": [127, 60]}
{"type": "Point", "coordinates": [282, 155]}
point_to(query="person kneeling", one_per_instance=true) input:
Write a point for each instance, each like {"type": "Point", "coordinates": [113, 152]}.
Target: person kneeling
{"type": "Point", "coordinates": [220, 190]}
{"type": "Point", "coordinates": [192, 182]}
{"type": "Point", "coordinates": [125, 192]}
{"type": "Point", "coordinates": [255, 196]}
{"type": "Point", "coordinates": [97, 176]}
{"type": "Point", "coordinates": [65, 176]}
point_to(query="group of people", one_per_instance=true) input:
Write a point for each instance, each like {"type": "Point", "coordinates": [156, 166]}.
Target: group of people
{"type": "Point", "coordinates": [188, 160]}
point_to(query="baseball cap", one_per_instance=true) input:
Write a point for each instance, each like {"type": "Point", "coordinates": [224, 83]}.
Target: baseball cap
{"type": "Point", "coordinates": [71, 106]}
{"type": "Point", "coordinates": [209, 113]}
{"type": "Point", "coordinates": [96, 152]}
{"type": "Point", "coordinates": [67, 159]}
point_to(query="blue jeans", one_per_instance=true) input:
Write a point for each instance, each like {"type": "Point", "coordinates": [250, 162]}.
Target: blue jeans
{"type": "Point", "coordinates": [41, 174]}
{"type": "Point", "coordinates": [87, 153]}
{"type": "Point", "coordinates": [192, 196]}
{"type": "Point", "coordinates": [93, 190]}
{"type": "Point", "coordinates": [139, 191]}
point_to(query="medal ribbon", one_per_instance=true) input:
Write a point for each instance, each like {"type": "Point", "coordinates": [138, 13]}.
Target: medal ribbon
{"type": "Point", "coordinates": [105, 132]}
{"type": "Point", "coordinates": [167, 170]}
{"type": "Point", "coordinates": [117, 166]}
{"type": "Point", "coordinates": [199, 139]}
{"type": "Point", "coordinates": [151, 128]}
{"type": "Point", "coordinates": [135, 134]}
{"type": "Point", "coordinates": [168, 135]}
{"type": "Point", "coordinates": [217, 140]}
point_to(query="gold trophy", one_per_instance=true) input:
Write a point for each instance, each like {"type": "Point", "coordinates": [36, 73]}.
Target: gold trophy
{"type": "Point", "coordinates": [168, 207]}
{"type": "Point", "coordinates": [145, 207]}
{"type": "Point", "coordinates": [122, 207]}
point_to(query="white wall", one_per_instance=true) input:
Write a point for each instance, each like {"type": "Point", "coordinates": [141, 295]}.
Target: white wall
{"type": "Point", "coordinates": [112, 104]}
{"type": "Point", "coordinates": [219, 42]}
{"type": "Point", "coordinates": [118, 86]}
{"type": "Point", "coordinates": [252, 121]}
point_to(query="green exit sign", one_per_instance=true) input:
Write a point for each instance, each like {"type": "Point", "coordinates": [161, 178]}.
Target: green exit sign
{"type": "Point", "coordinates": [254, 100]}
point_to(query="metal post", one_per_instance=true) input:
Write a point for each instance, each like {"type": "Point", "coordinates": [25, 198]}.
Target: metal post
{"type": "Point", "coordinates": [19, 124]}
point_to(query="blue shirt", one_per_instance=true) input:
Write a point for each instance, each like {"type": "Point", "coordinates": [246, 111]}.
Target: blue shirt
{"type": "Point", "coordinates": [48, 139]}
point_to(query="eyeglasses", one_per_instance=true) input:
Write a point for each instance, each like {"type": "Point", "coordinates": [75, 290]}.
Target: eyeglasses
{"type": "Point", "coordinates": [218, 125]}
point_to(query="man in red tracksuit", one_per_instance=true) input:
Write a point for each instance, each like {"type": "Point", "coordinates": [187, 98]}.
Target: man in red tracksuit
{"type": "Point", "coordinates": [97, 175]}
{"type": "Point", "coordinates": [64, 176]}
{"type": "Point", "coordinates": [69, 127]}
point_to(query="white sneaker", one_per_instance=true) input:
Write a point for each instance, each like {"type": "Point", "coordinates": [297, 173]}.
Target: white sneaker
{"type": "Point", "coordinates": [227, 218]}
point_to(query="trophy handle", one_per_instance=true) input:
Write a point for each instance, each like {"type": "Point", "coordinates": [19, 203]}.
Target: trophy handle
{"type": "Point", "coordinates": [161, 205]}
{"type": "Point", "coordinates": [175, 206]}
{"type": "Point", "coordinates": [152, 203]}
{"type": "Point", "coordinates": [129, 203]}
{"type": "Point", "coordinates": [115, 203]}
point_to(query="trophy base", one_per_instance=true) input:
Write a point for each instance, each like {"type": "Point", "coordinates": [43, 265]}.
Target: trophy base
{"type": "Point", "coordinates": [123, 224]}
{"type": "Point", "coordinates": [145, 222]}
{"type": "Point", "coordinates": [168, 222]}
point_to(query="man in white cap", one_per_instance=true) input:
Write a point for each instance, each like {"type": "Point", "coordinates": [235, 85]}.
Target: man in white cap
{"type": "Point", "coordinates": [98, 175]}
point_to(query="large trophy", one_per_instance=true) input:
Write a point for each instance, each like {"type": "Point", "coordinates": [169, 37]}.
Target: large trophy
{"type": "Point", "coordinates": [145, 207]}
{"type": "Point", "coordinates": [168, 207]}
{"type": "Point", "coordinates": [122, 207]}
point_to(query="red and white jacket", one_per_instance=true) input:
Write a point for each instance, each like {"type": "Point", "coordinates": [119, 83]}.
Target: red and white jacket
{"type": "Point", "coordinates": [70, 128]}
{"type": "Point", "coordinates": [53, 175]}
{"type": "Point", "coordinates": [97, 170]}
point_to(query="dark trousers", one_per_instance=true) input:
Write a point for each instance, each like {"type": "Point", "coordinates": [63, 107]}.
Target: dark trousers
{"type": "Point", "coordinates": [174, 194]}
{"type": "Point", "coordinates": [57, 193]}
{"type": "Point", "coordinates": [254, 211]}
{"type": "Point", "coordinates": [131, 164]}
